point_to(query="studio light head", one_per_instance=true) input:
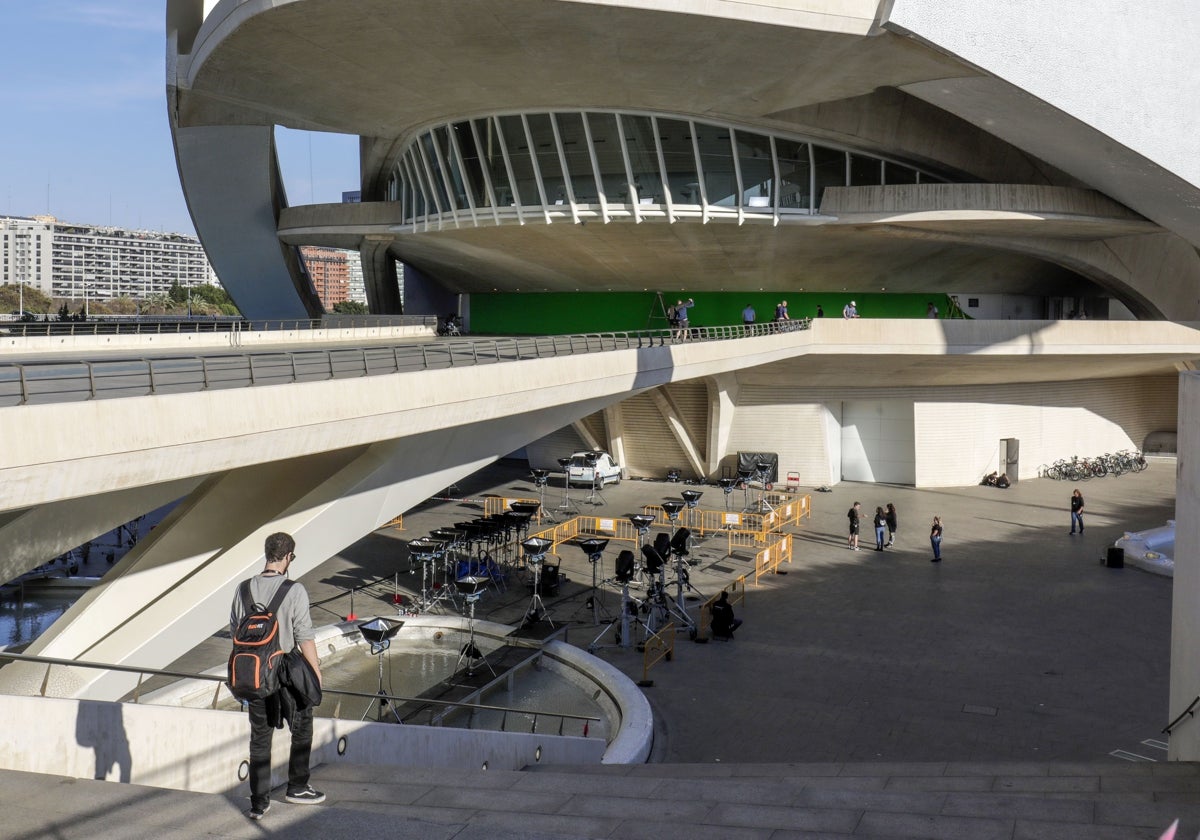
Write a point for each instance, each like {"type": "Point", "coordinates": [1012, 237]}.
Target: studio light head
{"type": "Point", "coordinates": [641, 521]}
{"type": "Point", "coordinates": [763, 467]}
{"type": "Point", "coordinates": [691, 497]}
{"type": "Point", "coordinates": [679, 542]}
{"type": "Point", "coordinates": [590, 458]}
{"type": "Point", "coordinates": [672, 509]}
{"type": "Point", "coordinates": [564, 462]}
{"type": "Point", "coordinates": [535, 548]}
{"type": "Point", "coordinates": [745, 473]}
{"type": "Point", "coordinates": [470, 584]}
{"type": "Point", "coordinates": [673, 474]}
{"type": "Point", "coordinates": [449, 535]}
{"type": "Point", "coordinates": [379, 629]}
{"type": "Point", "coordinates": [625, 566]}
{"type": "Point", "coordinates": [654, 560]}
{"type": "Point", "coordinates": [726, 484]}
{"type": "Point", "coordinates": [593, 547]}
{"type": "Point", "coordinates": [426, 549]}
{"type": "Point", "coordinates": [523, 508]}
{"type": "Point", "coordinates": [540, 477]}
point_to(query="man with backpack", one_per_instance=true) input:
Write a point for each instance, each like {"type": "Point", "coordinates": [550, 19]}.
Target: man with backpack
{"type": "Point", "coordinates": [288, 617]}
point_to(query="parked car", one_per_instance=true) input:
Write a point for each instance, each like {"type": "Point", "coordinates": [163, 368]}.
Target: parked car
{"type": "Point", "coordinates": [603, 469]}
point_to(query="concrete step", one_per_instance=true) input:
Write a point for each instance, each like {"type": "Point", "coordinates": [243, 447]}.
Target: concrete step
{"type": "Point", "coordinates": [828, 800]}
{"type": "Point", "coordinates": [689, 802]}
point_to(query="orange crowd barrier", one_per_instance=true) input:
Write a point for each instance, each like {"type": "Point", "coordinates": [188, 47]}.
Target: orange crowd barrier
{"type": "Point", "coordinates": [493, 505]}
{"type": "Point", "coordinates": [737, 595]}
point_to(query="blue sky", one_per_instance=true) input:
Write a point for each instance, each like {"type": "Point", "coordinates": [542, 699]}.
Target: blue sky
{"type": "Point", "coordinates": [83, 121]}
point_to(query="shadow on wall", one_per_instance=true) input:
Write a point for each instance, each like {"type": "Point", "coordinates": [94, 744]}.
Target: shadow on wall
{"type": "Point", "coordinates": [100, 726]}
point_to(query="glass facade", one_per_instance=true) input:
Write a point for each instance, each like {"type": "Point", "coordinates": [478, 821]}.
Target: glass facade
{"type": "Point", "coordinates": [619, 164]}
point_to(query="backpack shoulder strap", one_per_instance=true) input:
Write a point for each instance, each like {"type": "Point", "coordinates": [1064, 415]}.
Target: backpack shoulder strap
{"type": "Point", "coordinates": [280, 594]}
{"type": "Point", "coordinates": [247, 601]}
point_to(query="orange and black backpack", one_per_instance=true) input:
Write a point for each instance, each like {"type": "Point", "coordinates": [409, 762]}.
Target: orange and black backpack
{"type": "Point", "coordinates": [257, 658]}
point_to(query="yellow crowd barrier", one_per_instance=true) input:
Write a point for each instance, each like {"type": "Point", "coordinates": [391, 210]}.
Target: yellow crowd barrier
{"type": "Point", "coordinates": [787, 509]}
{"type": "Point", "coordinates": [396, 522]}
{"type": "Point", "coordinates": [493, 505]}
{"type": "Point", "coordinates": [658, 646]}
{"type": "Point", "coordinates": [592, 526]}
{"type": "Point", "coordinates": [769, 550]}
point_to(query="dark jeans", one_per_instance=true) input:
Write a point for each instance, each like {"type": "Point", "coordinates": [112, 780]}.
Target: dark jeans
{"type": "Point", "coordinates": [261, 731]}
{"type": "Point", "coordinates": [936, 542]}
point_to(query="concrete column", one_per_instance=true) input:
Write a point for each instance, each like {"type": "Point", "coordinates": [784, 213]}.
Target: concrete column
{"type": "Point", "coordinates": [379, 276]}
{"type": "Point", "coordinates": [722, 402]}
{"type": "Point", "coordinates": [1185, 608]}
{"type": "Point", "coordinates": [670, 414]}
{"type": "Point", "coordinates": [615, 423]}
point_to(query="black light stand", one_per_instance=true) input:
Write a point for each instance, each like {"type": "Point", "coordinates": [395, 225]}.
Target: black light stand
{"type": "Point", "coordinates": [535, 554]}
{"type": "Point", "coordinates": [679, 550]}
{"type": "Point", "coordinates": [642, 522]}
{"type": "Point", "coordinates": [594, 547]}
{"type": "Point", "coordinates": [726, 485]}
{"type": "Point", "coordinates": [763, 472]}
{"type": "Point", "coordinates": [471, 588]}
{"type": "Point", "coordinates": [623, 574]}
{"type": "Point", "coordinates": [589, 461]}
{"type": "Point", "coordinates": [671, 508]}
{"type": "Point", "coordinates": [453, 538]}
{"type": "Point", "coordinates": [691, 498]}
{"type": "Point", "coordinates": [540, 479]}
{"type": "Point", "coordinates": [379, 632]}
{"type": "Point", "coordinates": [567, 502]}
{"type": "Point", "coordinates": [427, 552]}
{"type": "Point", "coordinates": [744, 477]}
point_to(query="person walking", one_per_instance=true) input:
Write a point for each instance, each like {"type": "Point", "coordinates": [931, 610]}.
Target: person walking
{"type": "Point", "coordinates": [852, 515]}
{"type": "Point", "coordinates": [850, 310]}
{"type": "Point", "coordinates": [890, 516]}
{"type": "Point", "coordinates": [295, 633]}
{"type": "Point", "coordinates": [781, 311]}
{"type": "Point", "coordinates": [931, 311]}
{"type": "Point", "coordinates": [749, 315]}
{"type": "Point", "coordinates": [880, 528]}
{"type": "Point", "coordinates": [682, 318]}
{"type": "Point", "coordinates": [1076, 511]}
{"type": "Point", "coordinates": [935, 539]}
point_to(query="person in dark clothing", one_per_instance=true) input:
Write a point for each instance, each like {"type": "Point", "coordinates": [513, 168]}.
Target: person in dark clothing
{"type": "Point", "coordinates": [890, 517]}
{"type": "Point", "coordinates": [852, 515]}
{"type": "Point", "coordinates": [820, 311]}
{"type": "Point", "coordinates": [1076, 511]}
{"type": "Point", "coordinates": [295, 633]}
{"type": "Point", "coordinates": [723, 622]}
{"type": "Point", "coordinates": [880, 523]}
{"type": "Point", "coordinates": [935, 539]}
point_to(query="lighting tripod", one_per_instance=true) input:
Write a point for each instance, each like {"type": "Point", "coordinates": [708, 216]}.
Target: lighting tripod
{"type": "Point", "coordinates": [379, 632]}
{"type": "Point", "coordinates": [726, 485]}
{"type": "Point", "coordinates": [535, 554]}
{"type": "Point", "coordinates": [567, 502]}
{"type": "Point", "coordinates": [540, 479]}
{"type": "Point", "coordinates": [763, 472]}
{"type": "Point", "coordinates": [589, 460]}
{"type": "Point", "coordinates": [594, 547]}
{"type": "Point", "coordinates": [472, 589]}
{"type": "Point", "coordinates": [642, 522]}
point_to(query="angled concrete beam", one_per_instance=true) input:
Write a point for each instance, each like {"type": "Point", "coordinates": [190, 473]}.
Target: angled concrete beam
{"type": "Point", "coordinates": [665, 406]}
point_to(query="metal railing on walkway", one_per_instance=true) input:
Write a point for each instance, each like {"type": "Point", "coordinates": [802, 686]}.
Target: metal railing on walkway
{"type": "Point", "coordinates": [146, 325]}
{"type": "Point", "coordinates": [27, 383]}
{"type": "Point", "coordinates": [219, 682]}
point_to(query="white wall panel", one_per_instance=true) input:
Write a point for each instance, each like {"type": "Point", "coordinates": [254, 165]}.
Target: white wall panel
{"type": "Point", "coordinates": [878, 441]}
{"type": "Point", "coordinates": [650, 448]}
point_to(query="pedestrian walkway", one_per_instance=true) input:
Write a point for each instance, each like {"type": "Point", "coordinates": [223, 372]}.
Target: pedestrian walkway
{"type": "Point", "coordinates": [1016, 690]}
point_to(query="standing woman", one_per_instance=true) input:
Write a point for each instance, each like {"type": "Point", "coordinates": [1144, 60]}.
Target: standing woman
{"type": "Point", "coordinates": [890, 516]}
{"type": "Point", "coordinates": [1076, 511]}
{"type": "Point", "coordinates": [880, 527]}
{"type": "Point", "coordinates": [935, 539]}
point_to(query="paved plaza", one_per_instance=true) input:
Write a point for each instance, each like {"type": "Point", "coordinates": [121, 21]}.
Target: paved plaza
{"type": "Point", "coordinates": [1021, 645]}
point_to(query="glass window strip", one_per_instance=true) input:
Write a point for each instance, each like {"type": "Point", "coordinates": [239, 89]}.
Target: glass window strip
{"type": "Point", "coordinates": [486, 170]}
{"type": "Point", "coordinates": [537, 170]}
{"type": "Point", "coordinates": [452, 136]}
{"type": "Point", "coordinates": [600, 196]}
{"type": "Point", "coordinates": [508, 169]}
{"type": "Point", "coordinates": [445, 181]}
{"type": "Point", "coordinates": [437, 194]}
{"type": "Point", "coordinates": [630, 192]}
{"type": "Point", "coordinates": [663, 178]}
{"type": "Point", "coordinates": [699, 170]}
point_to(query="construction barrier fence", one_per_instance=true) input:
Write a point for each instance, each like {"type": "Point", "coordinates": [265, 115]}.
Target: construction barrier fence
{"type": "Point", "coordinates": [493, 505]}
{"type": "Point", "coordinates": [658, 646]}
{"type": "Point", "coordinates": [737, 596]}
{"type": "Point", "coordinates": [785, 510]}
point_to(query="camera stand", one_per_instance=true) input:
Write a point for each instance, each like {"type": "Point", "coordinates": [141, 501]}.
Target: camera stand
{"type": "Point", "coordinates": [535, 554]}
{"type": "Point", "coordinates": [470, 653]}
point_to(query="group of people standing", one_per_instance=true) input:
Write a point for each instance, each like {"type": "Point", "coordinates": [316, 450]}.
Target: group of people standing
{"type": "Point", "coordinates": [886, 527]}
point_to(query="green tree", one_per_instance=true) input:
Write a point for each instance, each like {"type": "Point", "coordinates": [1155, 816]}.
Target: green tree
{"type": "Point", "coordinates": [350, 307]}
{"type": "Point", "coordinates": [178, 293]}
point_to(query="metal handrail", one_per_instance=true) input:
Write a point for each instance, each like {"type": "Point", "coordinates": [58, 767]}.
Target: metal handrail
{"type": "Point", "coordinates": [167, 325]}
{"type": "Point", "coordinates": [50, 662]}
{"type": "Point", "coordinates": [1188, 712]}
{"type": "Point", "coordinates": [24, 383]}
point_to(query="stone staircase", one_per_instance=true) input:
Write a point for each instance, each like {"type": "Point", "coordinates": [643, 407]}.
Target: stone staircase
{"type": "Point", "coordinates": [985, 801]}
